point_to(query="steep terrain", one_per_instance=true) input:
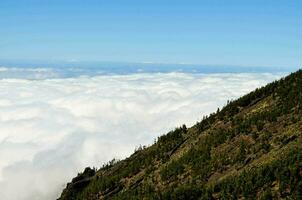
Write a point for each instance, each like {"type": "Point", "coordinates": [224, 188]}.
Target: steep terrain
{"type": "Point", "coordinates": [251, 149]}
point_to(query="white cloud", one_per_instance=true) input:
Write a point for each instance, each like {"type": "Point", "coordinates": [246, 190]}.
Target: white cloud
{"type": "Point", "coordinates": [51, 129]}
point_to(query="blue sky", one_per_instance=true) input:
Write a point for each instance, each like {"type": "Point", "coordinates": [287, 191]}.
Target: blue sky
{"type": "Point", "coordinates": [247, 33]}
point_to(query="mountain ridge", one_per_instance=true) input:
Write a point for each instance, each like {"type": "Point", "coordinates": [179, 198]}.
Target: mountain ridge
{"type": "Point", "coordinates": [250, 149]}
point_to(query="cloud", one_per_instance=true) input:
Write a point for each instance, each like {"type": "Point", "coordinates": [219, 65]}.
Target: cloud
{"type": "Point", "coordinates": [28, 73]}
{"type": "Point", "coordinates": [50, 129]}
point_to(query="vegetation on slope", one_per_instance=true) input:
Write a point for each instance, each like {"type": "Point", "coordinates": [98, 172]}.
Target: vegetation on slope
{"type": "Point", "coordinates": [251, 149]}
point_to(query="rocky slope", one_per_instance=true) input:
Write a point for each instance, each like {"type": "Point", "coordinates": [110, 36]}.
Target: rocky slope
{"type": "Point", "coordinates": [251, 149]}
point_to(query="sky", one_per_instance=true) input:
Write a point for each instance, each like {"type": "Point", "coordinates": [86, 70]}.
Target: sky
{"type": "Point", "coordinates": [85, 81]}
{"type": "Point", "coordinates": [234, 32]}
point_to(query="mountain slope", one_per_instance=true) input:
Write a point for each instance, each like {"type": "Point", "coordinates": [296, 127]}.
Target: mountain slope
{"type": "Point", "coordinates": [251, 149]}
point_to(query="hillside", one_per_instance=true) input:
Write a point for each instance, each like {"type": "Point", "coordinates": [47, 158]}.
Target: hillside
{"type": "Point", "coordinates": [250, 149]}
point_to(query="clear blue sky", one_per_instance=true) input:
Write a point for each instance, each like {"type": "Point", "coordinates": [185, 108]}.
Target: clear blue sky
{"type": "Point", "coordinates": [236, 32]}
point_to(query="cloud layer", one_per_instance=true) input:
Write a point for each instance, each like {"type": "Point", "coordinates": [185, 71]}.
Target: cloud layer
{"type": "Point", "coordinates": [51, 129]}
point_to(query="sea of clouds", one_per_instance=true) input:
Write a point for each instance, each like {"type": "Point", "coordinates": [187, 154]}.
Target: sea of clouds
{"type": "Point", "coordinates": [52, 128]}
